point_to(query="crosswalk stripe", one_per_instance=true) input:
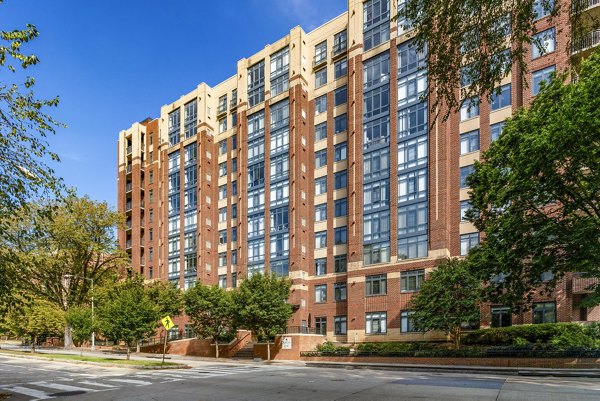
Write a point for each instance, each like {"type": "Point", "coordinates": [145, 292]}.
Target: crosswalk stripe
{"type": "Point", "coordinates": [91, 383]}
{"type": "Point", "coordinates": [40, 395]}
{"type": "Point", "coordinates": [58, 386]}
{"type": "Point", "coordinates": [131, 381]}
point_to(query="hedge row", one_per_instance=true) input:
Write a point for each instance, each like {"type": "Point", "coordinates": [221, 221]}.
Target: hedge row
{"type": "Point", "coordinates": [532, 333]}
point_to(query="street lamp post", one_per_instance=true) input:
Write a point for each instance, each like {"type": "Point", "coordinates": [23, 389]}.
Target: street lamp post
{"type": "Point", "coordinates": [94, 331]}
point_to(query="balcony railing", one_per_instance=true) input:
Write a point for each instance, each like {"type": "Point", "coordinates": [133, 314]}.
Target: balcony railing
{"type": "Point", "coordinates": [129, 168]}
{"type": "Point", "coordinates": [128, 244]}
{"type": "Point", "coordinates": [591, 39]}
{"type": "Point", "coordinates": [128, 224]}
{"type": "Point", "coordinates": [582, 5]}
{"type": "Point", "coordinates": [128, 187]}
{"type": "Point", "coordinates": [129, 149]}
{"type": "Point", "coordinates": [128, 206]}
{"type": "Point", "coordinates": [233, 103]}
{"type": "Point", "coordinates": [319, 60]}
{"type": "Point", "coordinates": [340, 48]}
{"type": "Point", "coordinates": [582, 284]}
{"type": "Point", "coordinates": [222, 108]}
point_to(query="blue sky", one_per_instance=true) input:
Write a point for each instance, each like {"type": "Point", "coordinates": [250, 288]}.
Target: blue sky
{"type": "Point", "coordinates": [116, 62]}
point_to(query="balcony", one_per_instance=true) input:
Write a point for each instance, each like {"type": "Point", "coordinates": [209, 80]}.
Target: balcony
{"type": "Point", "coordinates": [128, 187]}
{"type": "Point", "coordinates": [128, 244]}
{"type": "Point", "coordinates": [587, 4]}
{"type": "Point", "coordinates": [339, 49]}
{"type": "Point", "coordinates": [233, 103]}
{"type": "Point", "coordinates": [129, 224]}
{"type": "Point", "coordinates": [128, 169]}
{"type": "Point", "coordinates": [581, 283]}
{"type": "Point", "coordinates": [222, 109]}
{"type": "Point", "coordinates": [319, 60]}
{"type": "Point", "coordinates": [590, 40]}
{"type": "Point", "coordinates": [129, 149]}
{"type": "Point", "coordinates": [128, 206]}
{"type": "Point", "coordinates": [142, 204]}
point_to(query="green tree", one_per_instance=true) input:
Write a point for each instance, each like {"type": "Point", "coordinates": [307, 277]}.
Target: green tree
{"type": "Point", "coordinates": [126, 312]}
{"type": "Point", "coordinates": [537, 192]}
{"type": "Point", "coordinates": [81, 320]}
{"type": "Point", "coordinates": [481, 41]}
{"type": "Point", "coordinates": [40, 318]}
{"type": "Point", "coordinates": [24, 127]}
{"type": "Point", "coordinates": [167, 297]}
{"type": "Point", "coordinates": [448, 299]}
{"type": "Point", "coordinates": [212, 313]}
{"type": "Point", "coordinates": [61, 247]}
{"type": "Point", "coordinates": [261, 305]}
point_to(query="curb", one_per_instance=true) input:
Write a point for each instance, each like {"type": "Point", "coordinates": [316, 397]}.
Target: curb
{"type": "Point", "coordinates": [460, 369]}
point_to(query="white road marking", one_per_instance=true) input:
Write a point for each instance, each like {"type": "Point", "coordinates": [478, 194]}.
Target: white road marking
{"type": "Point", "coordinates": [40, 395]}
{"type": "Point", "coordinates": [64, 387]}
{"type": "Point", "coordinates": [91, 383]}
{"type": "Point", "coordinates": [131, 381]}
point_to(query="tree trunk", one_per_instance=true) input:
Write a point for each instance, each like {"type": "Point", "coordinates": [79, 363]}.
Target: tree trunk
{"type": "Point", "coordinates": [137, 348]}
{"type": "Point", "coordinates": [217, 348]}
{"type": "Point", "coordinates": [33, 341]}
{"type": "Point", "coordinates": [455, 336]}
{"type": "Point", "coordinates": [128, 351]}
{"type": "Point", "coordinates": [68, 336]}
{"type": "Point", "coordinates": [268, 350]}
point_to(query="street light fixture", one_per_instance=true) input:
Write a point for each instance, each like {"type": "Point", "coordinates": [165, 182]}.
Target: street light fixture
{"type": "Point", "coordinates": [67, 276]}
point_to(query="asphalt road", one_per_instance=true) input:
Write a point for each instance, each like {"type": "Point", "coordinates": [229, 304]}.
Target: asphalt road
{"type": "Point", "coordinates": [28, 379]}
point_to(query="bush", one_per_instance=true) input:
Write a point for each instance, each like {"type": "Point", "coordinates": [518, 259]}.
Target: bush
{"type": "Point", "coordinates": [520, 341]}
{"type": "Point", "coordinates": [568, 339]}
{"type": "Point", "coordinates": [533, 333]}
{"type": "Point", "coordinates": [392, 347]}
{"type": "Point", "coordinates": [329, 347]}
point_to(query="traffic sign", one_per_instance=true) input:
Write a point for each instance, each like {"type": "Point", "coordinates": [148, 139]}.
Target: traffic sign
{"type": "Point", "coordinates": [167, 322]}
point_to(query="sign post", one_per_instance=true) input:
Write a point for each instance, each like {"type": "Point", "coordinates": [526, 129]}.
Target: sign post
{"type": "Point", "coordinates": [168, 324]}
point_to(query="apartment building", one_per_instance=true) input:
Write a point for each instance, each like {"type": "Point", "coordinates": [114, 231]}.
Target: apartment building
{"type": "Point", "coordinates": [316, 161]}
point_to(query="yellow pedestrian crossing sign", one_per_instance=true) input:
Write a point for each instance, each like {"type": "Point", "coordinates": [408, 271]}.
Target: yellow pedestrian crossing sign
{"type": "Point", "coordinates": [167, 322]}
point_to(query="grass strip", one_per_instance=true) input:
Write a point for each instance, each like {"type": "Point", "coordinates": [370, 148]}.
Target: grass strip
{"type": "Point", "coordinates": [72, 357]}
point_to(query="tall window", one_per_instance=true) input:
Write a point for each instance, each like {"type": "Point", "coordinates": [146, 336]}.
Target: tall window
{"type": "Point", "coordinates": [376, 323]}
{"type": "Point", "coordinates": [543, 43]}
{"type": "Point", "coordinates": [174, 127]}
{"type": "Point", "coordinates": [469, 109]}
{"type": "Point", "coordinates": [540, 76]}
{"type": "Point", "coordinates": [407, 324]}
{"type": "Point", "coordinates": [256, 84]}
{"type": "Point", "coordinates": [496, 130]}
{"type": "Point", "coordinates": [500, 316]}
{"type": "Point", "coordinates": [280, 63]}
{"type": "Point", "coordinates": [320, 53]}
{"type": "Point", "coordinates": [340, 68]}
{"type": "Point", "coordinates": [321, 325]}
{"type": "Point", "coordinates": [320, 266]}
{"type": "Point", "coordinates": [340, 324]}
{"type": "Point", "coordinates": [190, 115]}
{"type": "Point", "coordinates": [468, 242]}
{"type": "Point", "coordinates": [411, 280]}
{"type": "Point", "coordinates": [469, 142]}
{"type": "Point", "coordinates": [376, 23]}
{"type": "Point", "coordinates": [465, 172]}
{"type": "Point", "coordinates": [321, 293]}
{"type": "Point", "coordinates": [340, 42]}
{"type": "Point", "coordinates": [501, 99]}
{"type": "Point", "coordinates": [340, 263]}
{"type": "Point", "coordinates": [544, 312]}
{"type": "Point", "coordinates": [376, 285]}
{"type": "Point", "coordinates": [340, 291]}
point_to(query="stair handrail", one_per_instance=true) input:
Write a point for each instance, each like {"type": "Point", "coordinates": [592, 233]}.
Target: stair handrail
{"type": "Point", "coordinates": [236, 341]}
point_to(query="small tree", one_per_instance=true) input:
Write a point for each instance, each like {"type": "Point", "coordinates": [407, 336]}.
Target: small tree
{"type": "Point", "coordinates": [449, 298]}
{"type": "Point", "coordinates": [167, 297]}
{"type": "Point", "coordinates": [39, 318]}
{"type": "Point", "coordinates": [261, 305]}
{"type": "Point", "coordinates": [211, 311]}
{"type": "Point", "coordinates": [81, 321]}
{"type": "Point", "coordinates": [126, 312]}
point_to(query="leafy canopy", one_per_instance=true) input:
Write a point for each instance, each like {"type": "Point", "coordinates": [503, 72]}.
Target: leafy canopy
{"type": "Point", "coordinates": [480, 42]}
{"type": "Point", "coordinates": [126, 312]}
{"type": "Point", "coordinates": [24, 126]}
{"type": "Point", "coordinates": [211, 311]}
{"type": "Point", "coordinates": [537, 191]}
{"type": "Point", "coordinates": [261, 304]}
{"type": "Point", "coordinates": [448, 299]}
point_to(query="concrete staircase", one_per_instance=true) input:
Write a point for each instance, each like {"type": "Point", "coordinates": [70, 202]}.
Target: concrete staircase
{"type": "Point", "coordinates": [247, 352]}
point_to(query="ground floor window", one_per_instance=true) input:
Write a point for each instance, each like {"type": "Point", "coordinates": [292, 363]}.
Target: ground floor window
{"type": "Point", "coordinates": [321, 325]}
{"type": "Point", "coordinates": [544, 312]}
{"type": "Point", "coordinates": [340, 325]}
{"type": "Point", "coordinates": [407, 324]}
{"type": "Point", "coordinates": [376, 323]}
{"type": "Point", "coordinates": [501, 316]}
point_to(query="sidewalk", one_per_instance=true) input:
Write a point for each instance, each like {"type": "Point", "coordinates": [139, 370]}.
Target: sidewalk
{"type": "Point", "coordinates": [196, 361]}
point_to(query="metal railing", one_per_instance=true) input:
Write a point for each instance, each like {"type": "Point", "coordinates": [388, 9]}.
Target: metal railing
{"type": "Point", "coordinates": [128, 187]}
{"type": "Point", "coordinates": [222, 108]}
{"type": "Point", "coordinates": [129, 149]}
{"type": "Point", "coordinates": [319, 60]}
{"type": "Point", "coordinates": [129, 168]}
{"type": "Point", "coordinates": [233, 103]}
{"type": "Point", "coordinates": [128, 207]}
{"type": "Point", "coordinates": [591, 39]}
{"type": "Point", "coordinates": [339, 48]}
{"type": "Point", "coordinates": [300, 330]}
{"type": "Point", "coordinates": [582, 5]}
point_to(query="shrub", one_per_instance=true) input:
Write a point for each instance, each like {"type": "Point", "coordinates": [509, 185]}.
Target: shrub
{"type": "Point", "coordinates": [520, 341]}
{"type": "Point", "coordinates": [568, 339]}
{"type": "Point", "coordinates": [328, 346]}
{"type": "Point", "coordinates": [388, 348]}
{"type": "Point", "coordinates": [533, 333]}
